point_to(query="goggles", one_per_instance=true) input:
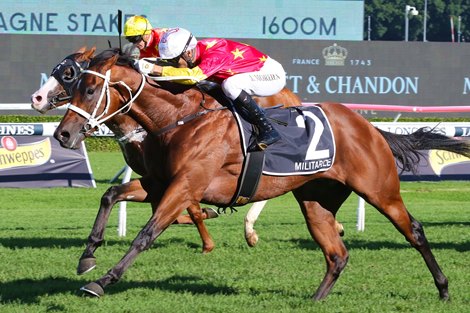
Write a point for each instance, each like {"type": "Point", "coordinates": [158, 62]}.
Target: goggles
{"type": "Point", "coordinates": [134, 39]}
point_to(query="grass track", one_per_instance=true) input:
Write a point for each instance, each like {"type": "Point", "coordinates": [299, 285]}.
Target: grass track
{"type": "Point", "coordinates": [43, 231]}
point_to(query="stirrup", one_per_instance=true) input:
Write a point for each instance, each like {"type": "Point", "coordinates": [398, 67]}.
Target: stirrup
{"type": "Point", "coordinates": [262, 146]}
{"type": "Point", "coordinates": [272, 138]}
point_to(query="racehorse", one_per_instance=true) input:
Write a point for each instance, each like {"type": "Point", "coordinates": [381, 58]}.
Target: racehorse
{"type": "Point", "coordinates": [200, 162]}
{"type": "Point", "coordinates": [56, 92]}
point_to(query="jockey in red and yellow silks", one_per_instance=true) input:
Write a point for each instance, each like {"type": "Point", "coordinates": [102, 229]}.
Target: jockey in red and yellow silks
{"type": "Point", "coordinates": [241, 69]}
{"type": "Point", "coordinates": [220, 59]}
{"type": "Point", "coordinates": [139, 32]}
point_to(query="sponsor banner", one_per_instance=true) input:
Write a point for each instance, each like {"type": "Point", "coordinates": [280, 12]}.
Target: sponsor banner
{"type": "Point", "coordinates": [389, 73]}
{"type": "Point", "coordinates": [281, 19]}
{"type": "Point", "coordinates": [440, 165]}
{"type": "Point", "coordinates": [27, 129]}
{"type": "Point", "coordinates": [43, 129]}
{"type": "Point", "coordinates": [449, 129]}
{"type": "Point", "coordinates": [37, 161]}
{"type": "Point", "coordinates": [367, 72]}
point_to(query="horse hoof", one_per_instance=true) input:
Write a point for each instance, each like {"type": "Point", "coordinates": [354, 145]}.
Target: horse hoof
{"type": "Point", "coordinates": [340, 229]}
{"type": "Point", "coordinates": [444, 296]}
{"type": "Point", "coordinates": [252, 239]}
{"type": "Point", "coordinates": [85, 265]}
{"type": "Point", "coordinates": [210, 212]}
{"type": "Point", "coordinates": [93, 289]}
{"type": "Point", "coordinates": [208, 248]}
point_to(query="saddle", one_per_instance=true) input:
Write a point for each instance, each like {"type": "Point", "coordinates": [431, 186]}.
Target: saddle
{"type": "Point", "coordinates": [307, 145]}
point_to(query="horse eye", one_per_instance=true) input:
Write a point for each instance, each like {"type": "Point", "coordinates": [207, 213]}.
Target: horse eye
{"type": "Point", "coordinates": [90, 91]}
{"type": "Point", "coordinates": [68, 75]}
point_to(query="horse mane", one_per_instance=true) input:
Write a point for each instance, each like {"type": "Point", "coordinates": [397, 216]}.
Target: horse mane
{"type": "Point", "coordinates": [123, 59]}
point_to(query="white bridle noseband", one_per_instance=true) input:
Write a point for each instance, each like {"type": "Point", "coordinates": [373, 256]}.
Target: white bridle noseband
{"type": "Point", "coordinates": [92, 119]}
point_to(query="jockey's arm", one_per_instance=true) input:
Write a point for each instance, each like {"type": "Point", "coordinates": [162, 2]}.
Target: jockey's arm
{"type": "Point", "coordinates": [168, 71]}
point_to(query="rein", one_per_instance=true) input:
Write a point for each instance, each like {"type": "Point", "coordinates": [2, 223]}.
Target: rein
{"type": "Point", "coordinates": [186, 119]}
{"type": "Point", "coordinates": [58, 99]}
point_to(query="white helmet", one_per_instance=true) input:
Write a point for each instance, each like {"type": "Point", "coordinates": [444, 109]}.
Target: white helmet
{"type": "Point", "coordinates": [175, 42]}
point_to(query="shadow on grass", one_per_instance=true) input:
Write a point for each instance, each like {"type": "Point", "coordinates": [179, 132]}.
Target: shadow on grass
{"type": "Point", "coordinates": [64, 243]}
{"type": "Point", "coordinates": [379, 245]}
{"type": "Point", "coordinates": [444, 224]}
{"type": "Point", "coordinates": [48, 242]}
{"type": "Point", "coordinates": [28, 291]}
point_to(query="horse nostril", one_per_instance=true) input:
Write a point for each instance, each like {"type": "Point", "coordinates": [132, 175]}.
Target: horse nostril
{"type": "Point", "coordinates": [64, 136]}
{"type": "Point", "coordinates": [36, 99]}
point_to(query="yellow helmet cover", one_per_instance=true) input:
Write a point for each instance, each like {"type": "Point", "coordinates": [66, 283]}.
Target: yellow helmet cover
{"type": "Point", "coordinates": [136, 26]}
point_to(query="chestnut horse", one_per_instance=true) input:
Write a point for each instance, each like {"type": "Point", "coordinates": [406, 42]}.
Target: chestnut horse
{"type": "Point", "coordinates": [200, 162]}
{"type": "Point", "coordinates": [56, 92]}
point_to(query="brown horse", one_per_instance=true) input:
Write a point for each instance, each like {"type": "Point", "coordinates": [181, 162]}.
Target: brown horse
{"type": "Point", "coordinates": [201, 160]}
{"type": "Point", "coordinates": [130, 136]}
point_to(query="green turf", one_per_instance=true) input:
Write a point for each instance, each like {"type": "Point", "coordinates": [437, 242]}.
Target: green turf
{"type": "Point", "coordinates": [43, 232]}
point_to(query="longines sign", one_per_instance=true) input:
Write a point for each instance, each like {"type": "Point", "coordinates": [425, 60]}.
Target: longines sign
{"type": "Point", "coordinates": [364, 72]}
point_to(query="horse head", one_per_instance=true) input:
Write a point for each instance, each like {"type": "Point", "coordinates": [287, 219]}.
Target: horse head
{"type": "Point", "coordinates": [97, 98]}
{"type": "Point", "coordinates": [57, 89]}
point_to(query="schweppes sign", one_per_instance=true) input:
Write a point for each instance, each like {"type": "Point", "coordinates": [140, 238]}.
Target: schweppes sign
{"type": "Point", "coordinates": [39, 161]}
{"type": "Point", "coordinates": [438, 160]}
{"type": "Point", "coordinates": [31, 154]}
{"type": "Point", "coordinates": [437, 165]}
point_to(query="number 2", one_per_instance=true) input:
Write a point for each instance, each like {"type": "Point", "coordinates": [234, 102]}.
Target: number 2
{"type": "Point", "coordinates": [312, 152]}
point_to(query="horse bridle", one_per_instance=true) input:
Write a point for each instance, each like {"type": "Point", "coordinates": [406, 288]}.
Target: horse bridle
{"type": "Point", "coordinates": [67, 81]}
{"type": "Point", "coordinates": [93, 120]}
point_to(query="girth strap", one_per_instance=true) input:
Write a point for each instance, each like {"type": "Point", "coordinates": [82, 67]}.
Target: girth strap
{"type": "Point", "coordinates": [249, 179]}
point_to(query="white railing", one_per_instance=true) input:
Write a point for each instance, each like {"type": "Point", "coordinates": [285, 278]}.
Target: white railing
{"type": "Point", "coordinates": [447, 128]}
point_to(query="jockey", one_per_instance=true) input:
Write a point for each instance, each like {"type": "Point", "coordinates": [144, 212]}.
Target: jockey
{"type": "Point", "coordinates": [140, 33]}
{"type": "Point", "coordinates": [242, 70]}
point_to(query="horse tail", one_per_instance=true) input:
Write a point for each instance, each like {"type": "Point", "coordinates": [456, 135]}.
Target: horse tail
{"type": "Point", "coordinates": [407, 149]}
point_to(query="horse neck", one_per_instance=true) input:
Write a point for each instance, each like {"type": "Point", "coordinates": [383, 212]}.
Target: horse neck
{"type": "Point", "coordinates": [156, 108]}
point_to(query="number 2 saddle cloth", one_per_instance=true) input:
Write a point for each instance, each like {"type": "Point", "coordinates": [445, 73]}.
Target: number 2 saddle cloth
{"type": "Point", "coordinates": [307, 145]}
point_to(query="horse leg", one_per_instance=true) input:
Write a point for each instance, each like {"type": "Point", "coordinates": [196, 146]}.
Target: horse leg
{"type": "Point", "coordinates": [207, 213]}
{"type": "Point", "coordinates": [251, 236]}
{"type": "Point", "coordinates": [165, 212]}
{"type": "Point", "coordinates": [383, 193]}
{"type": "Point", "coordinates": [319, 201]}
{"type": "Point", "coordinates": [197, 216]}
{"type": "Point", "coordinates": [394, 209]}
{"type": "Point", "coordinates": [322, 227]}
{"type": "Point", "coordinates": [131, 191]}
{"type": "Point", "coordinates": [252, 215]}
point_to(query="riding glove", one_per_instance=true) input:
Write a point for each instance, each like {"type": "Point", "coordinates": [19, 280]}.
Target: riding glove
{"type": "Point", "coordinates": [144, 66]}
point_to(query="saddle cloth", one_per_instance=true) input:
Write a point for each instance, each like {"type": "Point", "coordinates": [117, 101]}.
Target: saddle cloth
{"type": "Point", "coordinates": [307, 145]}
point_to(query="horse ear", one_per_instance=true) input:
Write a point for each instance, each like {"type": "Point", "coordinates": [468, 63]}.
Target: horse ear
{"type": "Point", "coordinates": [82, 49]}
{"type": "Point", "coordinates": [110, 62]}
{"type": "Point", "coordinates": [91, 52]}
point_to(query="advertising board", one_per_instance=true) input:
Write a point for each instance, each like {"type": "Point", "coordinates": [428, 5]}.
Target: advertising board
{"type": "Point", "coordinates": [30, 160]}
{"type": "Point", "coordinates": [281, 19]}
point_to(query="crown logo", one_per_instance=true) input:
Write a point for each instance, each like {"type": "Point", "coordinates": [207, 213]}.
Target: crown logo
{"type": "Point", "coordinates": [334, 55]}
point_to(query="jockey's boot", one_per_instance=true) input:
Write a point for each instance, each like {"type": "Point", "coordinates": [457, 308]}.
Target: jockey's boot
{"type": "Point", "coordinates": [249, 110]}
